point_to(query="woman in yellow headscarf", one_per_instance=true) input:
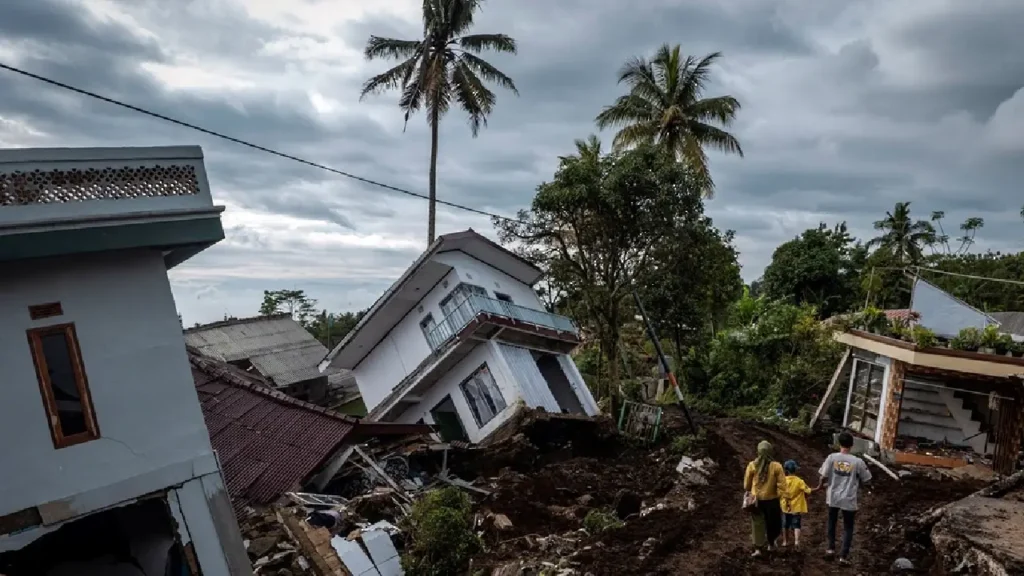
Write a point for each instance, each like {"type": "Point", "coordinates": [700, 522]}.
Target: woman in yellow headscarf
{"type": "Point", "coordinates": [765, 478]}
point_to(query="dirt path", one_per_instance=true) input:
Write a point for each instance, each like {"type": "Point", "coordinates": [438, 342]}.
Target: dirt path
{"type": "Point", "coordinates": [724, 549]}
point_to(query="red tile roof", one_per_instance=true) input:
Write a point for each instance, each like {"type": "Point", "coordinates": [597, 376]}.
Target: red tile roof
{"type": "Point", "coordinates": [268, 443]}
{"type": "Point", "coordinates": [902, 314]}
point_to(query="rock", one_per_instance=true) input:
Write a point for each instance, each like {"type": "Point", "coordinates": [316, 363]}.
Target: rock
{"type": "Point", "coordinates": [501, 522]}
{"type": "Point", "coordinates": [261, 546]}
{"type": "Point", "coordinates": [585, 500]}
{"type": "Point", "coordinates": [902, 564]}
{"type": "Point", "coordinates": [627, 503]}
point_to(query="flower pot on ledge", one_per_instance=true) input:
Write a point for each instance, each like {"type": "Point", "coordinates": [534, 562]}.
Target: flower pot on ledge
{"type": "Point", "coordinates": [984, 350]}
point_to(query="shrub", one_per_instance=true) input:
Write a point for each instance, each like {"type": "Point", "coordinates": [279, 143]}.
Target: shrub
{"type": "Point", "coordinates": [598, 521]}
{"type": "Point", "coordinates": [440, 528]}
{"type": "Point", "coordinates": [688, 444]}
{"type": "Point", "coordinates": [968, 339]}
{"type": "Point", "coordinates": [923, 337]}
{"type": "Point", "coordinates": [990, 336]}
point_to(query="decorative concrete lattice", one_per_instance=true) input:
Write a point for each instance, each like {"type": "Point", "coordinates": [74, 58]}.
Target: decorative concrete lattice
{"type": "Point", "coordinates": [19, 188]}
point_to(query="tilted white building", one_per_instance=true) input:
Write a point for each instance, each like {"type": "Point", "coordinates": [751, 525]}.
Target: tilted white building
{"type": "Point", "coordinates": [460, 340]}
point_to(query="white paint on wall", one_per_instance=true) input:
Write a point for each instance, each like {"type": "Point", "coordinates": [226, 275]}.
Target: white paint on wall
{"type": "Point", "coordinates": [405, 346]}
{"type": "Point", "coordinates": [942, 313]}
{"type": "Point", "coordinates": [449, 385]}
{"type": "Point", "coordinates": [139, 378]}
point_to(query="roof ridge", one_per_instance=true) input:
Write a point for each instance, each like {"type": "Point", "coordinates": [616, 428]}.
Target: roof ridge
{"type": "Point", "coordinates": [220, 371]}
{"type": "Point", "coordinates": [235, 321]}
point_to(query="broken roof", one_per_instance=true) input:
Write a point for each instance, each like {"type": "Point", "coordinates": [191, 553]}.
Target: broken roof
{"type": "Point", "coordinates": [415, 283]}
{"type": "Point", "coordinates": [268, 443]}
{"type": "Point", "coordinates": [278, 347]}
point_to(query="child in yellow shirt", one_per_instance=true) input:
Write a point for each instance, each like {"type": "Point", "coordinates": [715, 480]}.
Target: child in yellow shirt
{"type": "Point", "coordinates": [794, 502]}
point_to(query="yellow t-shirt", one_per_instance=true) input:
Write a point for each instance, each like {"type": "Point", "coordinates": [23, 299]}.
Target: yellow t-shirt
{"type": "Point", "coordinates": [770, 489]}
{"type": "Point", "coordinates": [794, 495]}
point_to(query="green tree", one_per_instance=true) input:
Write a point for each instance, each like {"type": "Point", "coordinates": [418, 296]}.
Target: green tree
{"type": "Point", "coordinates": [442, 67]}
{"type": "Point", "coordinates": [819, 267]}
{"type": "Point", "coordinates": [597, 226]}
{"type": "Point", "coordinates": [666, 105]}
{"type": "Point", "coordinates": [902, 237]}
{"type": "Point", "coordinates": [331, 329]}
{"type": "Point", "coordinates": [692, 281]}
{"type": "Point", "coordinates": [295, 302]}
{"type": "Point", "coordinates": [969, 228]}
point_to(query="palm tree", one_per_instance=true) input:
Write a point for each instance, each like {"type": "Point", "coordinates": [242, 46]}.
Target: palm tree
{"type": "Point", "coordinates": [442, 67]}
{"type": "Point", "coordinates": [901, 237]}
{"type": "Point", "coordinates": [665, 105]}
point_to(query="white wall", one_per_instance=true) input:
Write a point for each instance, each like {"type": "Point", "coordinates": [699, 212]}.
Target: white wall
{"type": "Point", "coordinates": [473, 271]}
{"type": "Point", "coordinates": [942, 313]}
{"type": "Point", "coordinates": [485, 352]}
{"type": "Point", "coordinates": [402, 350]}
{"type": "Point", "coordinates": [139, 377]}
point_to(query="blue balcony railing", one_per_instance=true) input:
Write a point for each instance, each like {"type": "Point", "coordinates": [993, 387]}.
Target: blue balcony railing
{"type": "Point", "coordinates": [454, 322]}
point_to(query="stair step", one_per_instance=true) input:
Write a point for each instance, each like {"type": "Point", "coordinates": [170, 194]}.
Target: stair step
{"type": "Point", "coordinates": [951, 425]}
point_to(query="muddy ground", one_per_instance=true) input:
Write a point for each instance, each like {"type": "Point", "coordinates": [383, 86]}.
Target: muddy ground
{"type": "Point", "coordinates": [548, 474]}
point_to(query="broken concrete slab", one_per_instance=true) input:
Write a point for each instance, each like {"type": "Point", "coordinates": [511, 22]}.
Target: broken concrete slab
{"type": "Point", "coordinates": [981, 536]}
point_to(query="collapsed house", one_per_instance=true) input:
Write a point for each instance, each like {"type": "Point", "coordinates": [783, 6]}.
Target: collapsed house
{"type": "Point", "coordinates": [933, 406]}
{"type": "Point", "coordinates": [283, 353]}
{"type": "Point", "coordinates": [459, 340]}
{"type": "Point", "coordinates": [108, 468]}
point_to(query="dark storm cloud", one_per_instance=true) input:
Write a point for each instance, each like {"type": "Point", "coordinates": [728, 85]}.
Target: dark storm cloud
{"type": "Point", "coordinates": [849, 107]}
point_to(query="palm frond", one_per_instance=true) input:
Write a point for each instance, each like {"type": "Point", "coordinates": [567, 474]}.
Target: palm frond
{"type": "Point", "coordinates": [460, 15]}
{"type": "Point", "coordinates": [707, 135]}
{"type": "Point", "coordinates": [626, 110]}
{"type": "Point", "coordinates": [489, 72]}
{"type": "Point", "coordinates": [477, 43]}
{"type": "Point", "coordinates": [720, 108]}
{"type": "Point", "coordinates": [390, 48]}
{"type": "Point", "coordinates": [472, 95]}
{"type": "Point", "coordinates": [389, 79]}
{"type": "Point", "coordinates": [694, 156]}
{"type": "Point", "coordinates": [635, 135]}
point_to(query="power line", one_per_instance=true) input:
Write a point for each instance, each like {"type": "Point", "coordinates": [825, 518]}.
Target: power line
{"type": "Point", "coordinates": [972, 276]}
{"type": "Point", "coordinates": [248, 144]}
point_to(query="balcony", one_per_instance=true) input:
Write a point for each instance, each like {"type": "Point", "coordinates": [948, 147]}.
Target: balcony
{"type": "Point", "coordinates": [484, 318]}
{"type": "Point", "coordinates": [63, 201]}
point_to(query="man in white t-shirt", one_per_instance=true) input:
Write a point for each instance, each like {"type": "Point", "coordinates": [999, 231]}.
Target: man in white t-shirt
{"type": "Point", "coordinates": [844, 474]}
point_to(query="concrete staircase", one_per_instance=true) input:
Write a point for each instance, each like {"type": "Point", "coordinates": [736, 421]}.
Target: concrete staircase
{"type": "Point", "coordinates": [937, 414]}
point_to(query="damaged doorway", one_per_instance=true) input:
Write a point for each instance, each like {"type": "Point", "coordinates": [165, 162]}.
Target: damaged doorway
{"type": "Point", "coordinates": [133, 540]}
{"type": "Point", "coordinates": [558, 383]}
{"type": "Point", "coordinates": [449, 425]}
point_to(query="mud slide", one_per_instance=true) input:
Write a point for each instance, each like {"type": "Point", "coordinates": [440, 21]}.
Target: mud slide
{"type": "Point", "coordinates": [552, 477]}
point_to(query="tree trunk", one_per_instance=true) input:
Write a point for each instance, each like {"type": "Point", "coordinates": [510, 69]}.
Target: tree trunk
{"type": "Point", "coordinates": [432, 201]}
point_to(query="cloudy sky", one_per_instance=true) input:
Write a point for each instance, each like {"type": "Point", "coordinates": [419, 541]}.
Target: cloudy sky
{"type": "Point", "coordinates": [848, 107]}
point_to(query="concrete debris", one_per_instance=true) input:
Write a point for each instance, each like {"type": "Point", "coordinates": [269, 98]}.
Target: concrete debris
{"type": "Point", "coordinates": [902, 565]}
{"type": "Point", "coordinates": [981, 536]}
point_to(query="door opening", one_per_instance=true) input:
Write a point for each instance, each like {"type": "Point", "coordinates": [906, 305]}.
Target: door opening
{"type": "Point", "coordinates": [449, 425]}
{"type": "Point", "coordinates": [559, 383]}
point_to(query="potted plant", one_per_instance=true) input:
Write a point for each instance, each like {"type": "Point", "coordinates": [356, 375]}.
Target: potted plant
{"type": "Point", "coordinates": [1017, 349]}
{"type": "Point", "coordinates": [969, 339]}
{"type": "Point", "coordinates": [989, 339]}
{"type": "Point", "coordinates": [874, 320]}
{"type": "Point", "coordinates": [1004, 344]}
{"type": "Point", "coordinates": [923, 337]}
{"type": "Point", "coordinates": [900, 328]}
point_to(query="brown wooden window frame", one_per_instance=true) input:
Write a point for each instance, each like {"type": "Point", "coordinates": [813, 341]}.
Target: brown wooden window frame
{"type": "Point", "coordinates": [35, 336]}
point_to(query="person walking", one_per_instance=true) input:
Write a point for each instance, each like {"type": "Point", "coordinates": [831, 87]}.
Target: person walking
{"type": "Point", "coordinates": [794, 503]}
{"type": "Point", "coordinates": [763, 480]}
{"type": "Point", "coordinates": [844, 474]}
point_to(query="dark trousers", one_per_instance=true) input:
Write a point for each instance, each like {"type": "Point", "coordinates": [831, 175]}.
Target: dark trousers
{"type": "Point", "coordinates": [772, 512]}
{"type": "Point", "coordinates": [833, 519]}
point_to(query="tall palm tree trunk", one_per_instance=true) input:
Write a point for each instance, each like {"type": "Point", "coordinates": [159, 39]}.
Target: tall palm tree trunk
{"type": "Point", "coordinates": [432, 202]}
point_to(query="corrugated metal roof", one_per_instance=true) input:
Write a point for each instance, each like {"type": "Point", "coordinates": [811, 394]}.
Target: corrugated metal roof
{"type": "Point", "coordinates": [278, 347]}
{"type": "Point", "coordinates": [268, 443]}
{"type": "Point", "coordinates": [1010, 322]}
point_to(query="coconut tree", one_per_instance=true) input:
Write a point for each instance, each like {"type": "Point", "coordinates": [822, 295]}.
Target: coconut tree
{"type": "Point", "coordinates": [902, 237]}
{"type": "Point", "coordinates": [666, 104]}
{"type": "Point", "coordinates": [442, 68]}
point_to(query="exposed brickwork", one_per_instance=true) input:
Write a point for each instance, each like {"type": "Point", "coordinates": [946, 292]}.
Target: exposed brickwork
{"type": "Point", "coordinates": [893, 403]}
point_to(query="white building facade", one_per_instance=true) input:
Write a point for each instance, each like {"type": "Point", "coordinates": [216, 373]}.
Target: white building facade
{"type": "Point", "coordinates": [460, 340]}
{"type": "Point", "coordinates": [104, 448]}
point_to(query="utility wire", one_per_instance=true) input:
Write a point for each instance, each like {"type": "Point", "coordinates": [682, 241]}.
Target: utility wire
{"type": "Point", "coordinates": [247, 144]}
{"type": "Point", "coordinates": [972, 276]}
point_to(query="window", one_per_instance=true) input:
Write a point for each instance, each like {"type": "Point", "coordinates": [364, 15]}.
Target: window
{"type": "Point", "coordinates": [503, 297]}
{"type": "Point", "coordinates": [483, 396]}
{"type": "Point", "coordinates": [427, 325]}
{"type": "Point", "coordinates": [63, 385]}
